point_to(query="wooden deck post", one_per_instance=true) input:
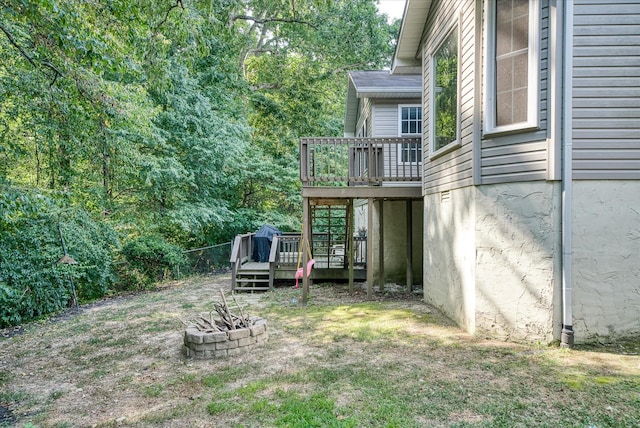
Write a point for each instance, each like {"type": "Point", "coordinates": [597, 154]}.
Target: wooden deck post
{"type": "Point", "coordinates": [306, 240]}
{"type": "Point", "coordinates": [381, 244]}
{"type": "Point", "coordinates": [409, 245]}
{"type": "Point", "coordinates": [351, 253]}
{"type": "Point", "coordinates": [370, 248]}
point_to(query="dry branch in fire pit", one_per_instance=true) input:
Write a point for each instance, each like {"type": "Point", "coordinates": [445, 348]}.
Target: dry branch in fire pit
{"type": "Point", "coordinates": [227, 319]}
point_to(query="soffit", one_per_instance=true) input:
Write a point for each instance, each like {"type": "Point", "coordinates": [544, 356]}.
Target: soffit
{"type": "Point", "coordinates": [408, 48]}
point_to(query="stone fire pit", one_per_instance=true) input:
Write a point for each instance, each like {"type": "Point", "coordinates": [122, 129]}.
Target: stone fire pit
{"type": "Point", "coordinates": [220, 344]}
{"type": "Point", "coordinates": [227, 336]}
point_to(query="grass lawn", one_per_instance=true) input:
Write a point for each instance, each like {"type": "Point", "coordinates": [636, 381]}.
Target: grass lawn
{"type": "Point", "coordinates": [341, 361]}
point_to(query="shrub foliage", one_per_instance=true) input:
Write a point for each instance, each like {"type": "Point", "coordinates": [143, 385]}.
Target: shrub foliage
{"type": "Point", "coordinates": [32, 282]}
{"type": "Point", "coordinates": [149, 259]}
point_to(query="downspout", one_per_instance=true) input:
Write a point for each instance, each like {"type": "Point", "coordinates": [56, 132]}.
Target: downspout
{"type": "Point", "coordinates": [566, 337]}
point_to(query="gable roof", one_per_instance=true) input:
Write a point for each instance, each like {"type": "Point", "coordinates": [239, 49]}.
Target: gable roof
{"type": "Point", "coordinates": [377, 84]}
{"type": "Point", "coordinates": [407, 55]}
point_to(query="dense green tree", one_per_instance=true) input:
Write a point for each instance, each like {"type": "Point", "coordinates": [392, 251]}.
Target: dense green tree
{"type": "Point", "coordinates": [169, 121]}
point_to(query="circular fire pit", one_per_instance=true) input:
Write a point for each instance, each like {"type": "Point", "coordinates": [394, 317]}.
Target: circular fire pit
{"type": "Point", "coordinates": [203, 345]}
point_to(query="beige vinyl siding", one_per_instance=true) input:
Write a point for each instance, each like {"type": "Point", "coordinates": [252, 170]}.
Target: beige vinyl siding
{"type": "Point", "coordinates": [385, 124]}
{"type": "Point", "coordinates": [385, 115]}
{"type": "Point", "coordinates": [606, 89]}
{"type": "Point", "coordinates": [522, 156]}
{"type": "Point", "coordinates": [364, 113]}
{"type": "Point", "coordinates": [453, 169]}
{"type": "Point", "coordinates": [385, 118]}
{"type": "Point", "coordinates": [544, 63]}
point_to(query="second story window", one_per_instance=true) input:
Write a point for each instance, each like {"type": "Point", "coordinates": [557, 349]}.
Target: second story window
{"type": "Point", "coordinates": [444, 94]}
{"type": "Point", "coordinates": [411, 126]}
{"type": "Point", "coordinates": [512, 65]}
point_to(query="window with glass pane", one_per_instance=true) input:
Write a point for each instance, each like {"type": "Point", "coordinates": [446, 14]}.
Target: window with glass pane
{"type": "Point", "coordinates": [411, 120]}
{"type": "Point", "coordinates": [362, 162]}
{"type": "Point", "coordinates": [445, 92]}
{"type": "Point", "coordinates": [411, 124]}
{"type": "Point", "coordinates": [512, 61]}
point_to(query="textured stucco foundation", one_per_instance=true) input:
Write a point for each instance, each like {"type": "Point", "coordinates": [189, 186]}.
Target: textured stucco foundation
{"type": "Point", "coordinates": [606, 259]}
{"type": "Point", "coordinates": [518, 260]}
{"type": "Point", "coordinates": [395, 238]}
{"type": "Point", "coordinates": [395, 241]}
{"type": "Point", "coordinates": [449, 254]}
{"type": "Point", "coordinates": [492, 258]}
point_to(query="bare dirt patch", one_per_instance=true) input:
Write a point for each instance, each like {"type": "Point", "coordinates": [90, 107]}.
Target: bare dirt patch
{"type": "Point", "coordinates": [347, 360]}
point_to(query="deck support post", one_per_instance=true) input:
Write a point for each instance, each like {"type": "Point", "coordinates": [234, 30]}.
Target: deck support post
{"type": "Point", "coordinates": [351, 250]}
{"type": "Point", "coordinates": [306, 240]}
{"type": "Point", "coordinates": [381, 244]}
{"type": "Point", "coordinates": [370, 202]}
{"type": "Point", "coordinates": [409, 245]}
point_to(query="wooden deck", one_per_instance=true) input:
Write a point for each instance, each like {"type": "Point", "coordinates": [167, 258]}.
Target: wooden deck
{"type": "Point", "coordinates": [249, 275]}
{"type": "Point", "coordinates": [250, 266]}
{"type": "Point", "coordinates": [334, 172]}
{"type": "Point", "coordinates": [358, 162]}
{"type": "Point", "coordinates": [323, 269]}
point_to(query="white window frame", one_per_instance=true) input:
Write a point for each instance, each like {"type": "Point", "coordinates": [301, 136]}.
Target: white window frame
{"type": "Point", "coordinates": [419, 149]}
{"type": "Point", "coordinates": [533, 90]}
{"type": "Point", "coordinates": [456, 26]}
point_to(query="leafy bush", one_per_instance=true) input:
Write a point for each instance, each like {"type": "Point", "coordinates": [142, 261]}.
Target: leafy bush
{"type": "Point", "coordinates": [149, 259]}
{"type": "Point", "coordinates": [92, 244]}
{"type": "Point", "coordinates": [32, 283]}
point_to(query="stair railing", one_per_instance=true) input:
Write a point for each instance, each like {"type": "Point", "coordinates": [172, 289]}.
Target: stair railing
{"type": "Point", "coordinates": [240, 253]}
{"type": "Point", "coordinates": [273, 259]}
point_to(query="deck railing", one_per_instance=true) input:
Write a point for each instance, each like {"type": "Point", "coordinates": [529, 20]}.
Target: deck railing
{"type": "Point", "coordinates": [285, 253]}
{"type": "Point", "coordinates": [359, 161]}
{"type": "Point", "coordinates": [360, 251]}
{"type": "Point", "coordinates": [288, 249]}
{"type": "Point", "coordinates": [240, 252]}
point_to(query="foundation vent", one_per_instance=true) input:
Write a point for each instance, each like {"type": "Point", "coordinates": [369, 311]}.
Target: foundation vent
{"type": "Point", "coordinates": [445, 196]}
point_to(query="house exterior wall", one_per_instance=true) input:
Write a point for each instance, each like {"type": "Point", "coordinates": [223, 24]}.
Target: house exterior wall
{"type": "Point", "coordinates": [492, 258]}
{"type": "Point", "coordinates": [606, 169]}
{"type": "Point", "coordinates": [452, 169]}
{"type": "Point", "coordinates": [492, 251]}
{"type": "Point", "coordinates": [395, 242]}
{"type": "Point", "coordinates": [381, 115]}
{"type": "Point", "coordinates": [606, 258]}
{"type": "Point", "coordinates": [364, 114]}
{"type": "Point", "coordinates": [385, 121]}
{"type": "Point", "coordinates": [518, 260]}
{"type": "Point", "coordinates": [606, 89]}
{"type": "Point", "coordinates": [521, 156]}
{"type": "Point", "coordinates": [449, 254]}
{"type": "Point", "coordinates": [503, 157]}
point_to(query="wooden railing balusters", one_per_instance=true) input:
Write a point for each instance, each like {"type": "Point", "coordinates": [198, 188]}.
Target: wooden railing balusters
{"type": "Point", "coordinates": [342, 161]}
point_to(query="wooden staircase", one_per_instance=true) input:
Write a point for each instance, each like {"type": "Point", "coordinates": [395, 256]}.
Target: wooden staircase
{"type": "Point", "coordinates": [330, 223]}
{"type": "Point", "coordinates": [248, 275]}
{"type": "Point", "coordinates": [253, 276]}
{"type": "Point", "coordinates": [330, 246]}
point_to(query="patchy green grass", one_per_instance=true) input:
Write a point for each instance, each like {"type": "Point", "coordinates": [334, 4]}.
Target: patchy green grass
{"type": "Point", "coordinates": [153, 390]}
{"type": "Point", "coordinates": [340, 361]}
